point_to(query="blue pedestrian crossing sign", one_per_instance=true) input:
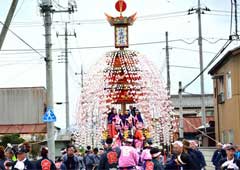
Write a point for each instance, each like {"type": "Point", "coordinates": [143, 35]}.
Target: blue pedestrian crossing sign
{"type": "Point", "coordinates": [49, 116]}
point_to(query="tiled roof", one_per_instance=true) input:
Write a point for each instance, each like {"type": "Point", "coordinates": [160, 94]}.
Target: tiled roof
{"type": "Point", "coordinates": [23, 128]}
{"type": "Point", "coordinates": [190, 123]}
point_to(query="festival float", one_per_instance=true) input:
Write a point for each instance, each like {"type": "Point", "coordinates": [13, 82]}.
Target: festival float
{"type": "Point", "coordinates": [123, 95]}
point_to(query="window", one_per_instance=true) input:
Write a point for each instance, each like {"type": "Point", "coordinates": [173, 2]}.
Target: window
{"type": "Point", "coordinates": [209, 112]}
{"type": "Point", "coordinates": [221, 84]}
{"type": "Point", "coordinates": [224, 137]}
{"type": "Point", "coordinates": [229, 85]}
{"type": "Point", "coordinates": [220, 96]}
{"type": "Point", "coordinates": [231, 136]}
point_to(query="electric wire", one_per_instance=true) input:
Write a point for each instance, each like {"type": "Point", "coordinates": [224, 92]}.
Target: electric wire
{"type": "Point", "coordinates": [228, 42]}
{"type": "Point", "coordinates": [42, 57]}
{"type": "Point", "coordinates": [20, 7]}
{"type": "Point", "coordinates": [192, 50]}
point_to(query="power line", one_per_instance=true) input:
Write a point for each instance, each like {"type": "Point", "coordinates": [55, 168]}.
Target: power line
{"type": "Point", "coordinates": [19, 9]}
{"type": "Point", "coordinates": [24, 41]}
{"type": "Point", "coordinates": [209, 64]}
{"type": "Point", "coordinates": [184, 67]}
{"type": "Point", "coordinates": [192, 50]}
{"type": "Point", "coordinates": [105, 46]}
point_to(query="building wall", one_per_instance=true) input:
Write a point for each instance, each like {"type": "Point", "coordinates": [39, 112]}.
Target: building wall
{"type": "Point", "coordinates": [22, 105]}
{"type": "Point", "coordinates": [227, 115]}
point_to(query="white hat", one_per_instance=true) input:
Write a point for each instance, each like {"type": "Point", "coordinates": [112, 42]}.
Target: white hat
{"type": "Point", "coordinates": [179, 143]}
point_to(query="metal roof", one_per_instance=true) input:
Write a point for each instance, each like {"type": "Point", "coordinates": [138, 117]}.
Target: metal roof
{"type": "Point", "coordinates": [192, 101]}
{"type": "Point", "coordinates": [224, 59]}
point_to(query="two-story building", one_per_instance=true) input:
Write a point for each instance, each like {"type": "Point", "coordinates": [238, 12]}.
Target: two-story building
{"type": "Point", "coordinates": [226, 83]}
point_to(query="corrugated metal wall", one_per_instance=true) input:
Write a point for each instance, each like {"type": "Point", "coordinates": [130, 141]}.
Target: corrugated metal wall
{"type": "Point", "coordinates": [22, 105]}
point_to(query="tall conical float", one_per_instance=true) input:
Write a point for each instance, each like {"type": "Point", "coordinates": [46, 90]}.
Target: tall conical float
{"type": "Point", "coordinates": [119, 79]}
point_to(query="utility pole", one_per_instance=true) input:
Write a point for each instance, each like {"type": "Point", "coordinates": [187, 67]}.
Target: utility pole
{"type": "Point", "coordinates": [168, 66]}
{"type": "Point", "coordinates": [200, 11]}
{"type": "Point", "coordinates": [7, 22]}
{"type": "Point", "coordinates": [180, 90]}
{"type": "Point", "coordinates": [201, 65]}
{"type": "Point", "coordinates": [66, 75]}
{"type": "Point", "coordinates": [46, 9]}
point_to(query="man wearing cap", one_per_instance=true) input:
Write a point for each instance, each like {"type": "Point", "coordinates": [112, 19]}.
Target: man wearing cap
{"type": "Point", "coordinates": [129, 157]}
{"type": "Point", "coordinates": [44, 163]}
{"type": "Point", "coordinates": [218, 154]}
{"type": "Point", "coordinates": [177, 149]}
{"type": "Point", "coordinates": [155, 152]}
{"type": "Point", "coordinates": [22, 162]}
{"type": "Point", "coordinates": [230, 162]}
{"type": "Point", "coordinates": [109, 159]}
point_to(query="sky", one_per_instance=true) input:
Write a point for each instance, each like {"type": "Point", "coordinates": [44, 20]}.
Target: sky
{"type": "Point", "coordinates": [20, 66]}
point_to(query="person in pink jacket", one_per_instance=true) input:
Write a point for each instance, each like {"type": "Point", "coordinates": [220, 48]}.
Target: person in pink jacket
{"type": "Point", "coordinates": [129, 156]}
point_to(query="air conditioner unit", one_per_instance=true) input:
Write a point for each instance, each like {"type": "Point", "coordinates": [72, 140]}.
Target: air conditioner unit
{"type": "Point", "coordinates": [221, 98]}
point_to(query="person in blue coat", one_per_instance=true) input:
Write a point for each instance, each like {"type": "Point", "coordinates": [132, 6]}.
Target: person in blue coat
{"type": "Point", "coordinates": [70, 160]}
{"type": "Point", "coordinates": [198, 154]}
{"type": "Point", "coordinates": [218, 154]}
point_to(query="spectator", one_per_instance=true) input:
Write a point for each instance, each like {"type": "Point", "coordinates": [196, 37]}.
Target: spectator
{"type": "Point", "coordinates": [172, 163]}
{"type": "Point", "coordinates": [230, 162]}
{"type": "Point", "coordinates": [96, 159]}
{"type": "Point", "coordinates": [22, 160]}
{"type": "Point", "coordinates": [70, 161]}
{"type": "Point", "coordinates": [218, 154]}
{"type": "Point", "coordinates": [156, 154]}
{"type": "Point", "coordinates": [237, 153]}
{"type": "Point", "coordinates": [199, 154]}
{"type": "Point", "coordinates": [80, 159]}
{"type": "Point", "coordinates": [109, 159]}
{"type": "Point", "coordinates": [9, 153]}
{"type": "Point", "coordinates": [58, 163]}
{"type": "Point", "coordinates": [188, 158]}
{"type": "Point", "coordinates": [44, 162]}
{"type": "Point", "coordinates": [88, 160]}
{"type": "Point", "coordinates": [2, 158]}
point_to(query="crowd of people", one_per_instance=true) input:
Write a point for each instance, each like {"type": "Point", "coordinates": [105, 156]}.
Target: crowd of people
{"type": "Point", "coordinates": [183, 155]}
{"type": "Point", "coordinates": [128, 124]}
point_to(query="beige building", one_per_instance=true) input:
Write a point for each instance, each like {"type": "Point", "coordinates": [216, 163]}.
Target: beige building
{"type": "Point", "coordinates": [226, 84]}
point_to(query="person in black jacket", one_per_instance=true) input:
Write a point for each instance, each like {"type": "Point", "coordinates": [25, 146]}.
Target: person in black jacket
{"type": "Point", "coordinates": [172, 163]}
{"type": "Point", "coordinates": [188, 159]}
{"type": "Point", "coordinates": [199, 154]}
{"type": "Point", "coordinates": [218, 154]}
{"type": "Point", "coordinates": [230, 162]}
{"type": "Point", "coordinates": [70, 161]}
{"type": "Point", "coordinates": [109, 159]}
{"type": "Point", "coordinates": [44, 162]}
{"type": "Point", "coordinates": [22, 160]}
